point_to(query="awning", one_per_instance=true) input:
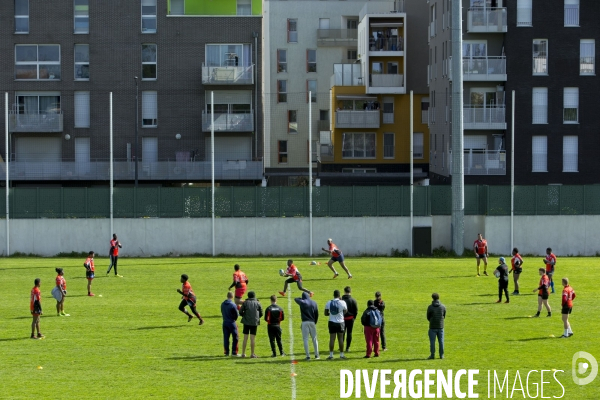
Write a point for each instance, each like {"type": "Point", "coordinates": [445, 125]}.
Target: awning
{"type": "Point", "coordinates": [355, 97]}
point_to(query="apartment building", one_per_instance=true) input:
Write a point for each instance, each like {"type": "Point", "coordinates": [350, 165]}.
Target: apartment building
{"type": "Point", "coordinates": [163, 61]}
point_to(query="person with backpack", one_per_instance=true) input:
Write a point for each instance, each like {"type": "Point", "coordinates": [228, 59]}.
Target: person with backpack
{"type": "Point", "coordinates": [371, 319]}
{"type": "Point", "coordinates": [436, 314]}
{"type": "Point", "coordinates": [335, 310]}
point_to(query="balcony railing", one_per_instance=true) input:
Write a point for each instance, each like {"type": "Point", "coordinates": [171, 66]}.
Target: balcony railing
{"type": "Point", "coordinates": [336, 37]}
{"type": "Point", "coordinates": [357, 119]}
{"type": "Point", "coordinates": [40, 122]}
{"type": "Point", "coordinates": [385, 44]}
{"type": "Point", "coordinates": [186, 171]}
{"type": "Point", "coordinates": [346, 75]}
{"type": "Point", "coordinates": [229, 122]}
{"type": "Point", "coordinates": [488, 117]}
{"type": "Point", "coordinates": [484, 162]}
{"type": "Point", "coordinates": [387, 80]}
{"type": "Point", "coordinates": [486, 20]}
{"type": "Point", "coordinates": [482, 68]}
{"type": "Point", "coordinates": [228, 75]}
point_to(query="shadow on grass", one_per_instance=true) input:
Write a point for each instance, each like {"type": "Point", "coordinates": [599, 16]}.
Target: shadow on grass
{"type": "Point", "coordinates": [401, 359]}
{"type": "Point", "coordinates": [13, 339]}
{"type": "Point", "coordinates": [268, 360]}
{"type": "Point", "coordinates": [459, 276]}
{"type": "Point", "coordinates": [202, 358]}
{"type": "Point", "coordinates": [143, 328]}
{"type": "Point", "coordinates": [318, 279]}
{"type": "Point", "coordinates": [531, 339]}
{"type": "Point", "coordinates": [509, 318]}
{"type": "Point", "coordinates": [4, 269]}
{"type": "Point", "coordinates": [477, 304]}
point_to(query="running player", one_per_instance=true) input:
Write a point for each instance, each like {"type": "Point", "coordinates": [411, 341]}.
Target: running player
{"type": "Point", "coordinates": [188, 299]}
{"type": "Point", "coordinates": [60, 292]}
{"type": "Point", "coordinates": [481, 249]}
{"type": "Point", "coordinates": [35, 305]}
{"type": "Point", "coordinates": [550, 262]}
{"type": "Point", "coordinates": [240, 281]}
{"type": "Point", "coordinates": [115, 245]}
{"type": "Point", "coordinates": [89, 271]}
{"type": "Point", "coordinates": [336, 256]}
{"type": "Point", "coordinates": [294, 276]}
{"type": "Point", "coordinates": [543, 293]}
{"type": "Point", "coordinates": [516, 268]}
{"type": "Point", "coordinates": [568, 295]}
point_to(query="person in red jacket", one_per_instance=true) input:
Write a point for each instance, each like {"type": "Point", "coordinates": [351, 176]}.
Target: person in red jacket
{"type": "Point", "coordinates": [480, 249]}
{"type": "Point", "coordinates": [240, 282]}
{"type": "Point", "coordinates": [113, 252]}
{"type": "Point", "coordinates": [568, 295]}
{"type": "Point", "coordinates": [543, 292]}
{"type": "Point", "coordinates": [35, 306]}
{"type": "Point", "coordinates": [294, 276]}
{"type": "Point", "coordinates": [188, 299]}
{"type": "Point", "coordinates": [550, 261]}
{"type": "Point", "coordinates": [59, 292]}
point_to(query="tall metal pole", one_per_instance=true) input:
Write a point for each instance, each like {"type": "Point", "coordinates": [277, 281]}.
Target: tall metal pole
{"type": "Point", "coordinates": [112, 182]}
{"type": "Point", "coordinates": [6, 162]}
{"type": "Point", "coordinates": [512, 172]}
{"type": "Point", "coordinates": [137, 117]}
{"type": "Point", "coordinates": [410, 234]}
{"type": "Point", "coordinates": [212, 167]}
{"type": "Point", "coordinates": [310, 221]}
{"type": "Point", "coordinates": [458, 177]}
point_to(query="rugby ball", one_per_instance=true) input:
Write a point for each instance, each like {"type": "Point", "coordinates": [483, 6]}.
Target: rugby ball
{"type": "Point", "coordinates": [313, 263]}
{"type": "Point", "coordinates": [281, 272]}
{"type": "Point", "coordinates": [497, 274]}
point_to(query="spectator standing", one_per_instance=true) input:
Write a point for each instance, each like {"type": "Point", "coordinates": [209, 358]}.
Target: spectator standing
{"type": "Point", "coordinates": [309, 314]}
{"type": "Point", "coordinates": [502, 275]}
{"type": "Point", "coordinates": [229, 311]}
{"type": "Point", "coordinates": [380, 305]}
{"type": "Point", "coordinates": [273, 316]}
{"type": "Point", "coordinates": [350, 316]}
{"type": "Point", "coordinates": [251, 312]}
{"type": "Point", "coordinates": [335, 310]}
{"type": "Point", "coordinates": [371, 320]}
{"type": "Point", "coordinates": [436, 314]}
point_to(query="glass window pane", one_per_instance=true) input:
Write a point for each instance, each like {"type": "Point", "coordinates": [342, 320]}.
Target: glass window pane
{"type": "Point", "coordinates": [149, 71]}
{"type": "Point", "coordinates": [82, 53]}
{"type": "Point", "coordinates": [26, 72]}
{"type": "Point", "coordinates": [149, 24]}
{"type": "Point", "coordinates": [148, 53]}
{"type": "Point", "coordinates": [22, 24]}
{"type": "Point", "coordinates": [82, 71]}
{"type": "Point", "coordinates": [26, 53]}
{"type": "Point", "coordinates": [49, 53]}
{"type": "Point", "coordinates": [21, 7]}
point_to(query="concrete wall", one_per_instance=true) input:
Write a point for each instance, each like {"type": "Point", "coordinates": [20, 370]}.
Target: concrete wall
{"type": "Point", "coordinates": [567, 235]}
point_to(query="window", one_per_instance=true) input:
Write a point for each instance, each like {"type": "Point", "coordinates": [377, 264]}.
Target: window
{"type": "Point", "coordinates": [149, 109]}
{"type": "Point", "coordinates": [539, 151]}
{"type": "Point", "coordinates": [148, 61]}
{"type": "Point", "coordinates": [228, 55]}
{"type": "Point", "coordinates": [292, 29]}
{"type": "Point", "coordinates": [148, 16]}
{"type": "Point", "coordinates": [81, 16]}
{"type": "Point", "coordinates": [281, 91]}
{"type": "Point", "coordinates": [388, 110]}
{"type": "Point", "coordinates": [311, 87]}
{"type": "Point", "coordinates": [352, 54]}
{"type": "Point", "coordinates": [282, 153]}
{"type": "Point", "coordinates": [244, 7]}
{"type": "Point", "coordinates": [388, 145]}
{"type": "Point", "coordinates": [38, 103]}
{"type": "Point", "coordinates": [34, 61]}
{"type": "Point", "coordinates": [292, 121]}
{"type": "Point", "coordinates": [587, 57]}
{"type": "Point", "coordinates": [570, 153]}
{"type": "Point", "coordinates": [358, 145]}
{"type": "Point", "coordinates": [540, 57]}
{"type": "Point", "coordinates": [21, 16]}
{"type": "Point", "coordinates": [417, 145]}
{"type": "Point", "coordinates": [82, 109]}
{"type": "Point", "coordinates": [523, 12]}
{"type": "Point", "coordinates": [281, 61]}
{"type": "Point", "coordinates": [424, 109]}
{"type": "Point", "coordinates": [311, 61]}
{"type": "Point", "coordinates": [177, 7]}
{"type": "Point", "coordinates": [571, 12]}
{"type": "Point", "coordinates": [539, 106]}
{"type": "Point", "coordinates": [571, 105]}
{"type": "Point", "coordinates": [352, 24]}
{"type": "Point", "coordinates": [82, 62]}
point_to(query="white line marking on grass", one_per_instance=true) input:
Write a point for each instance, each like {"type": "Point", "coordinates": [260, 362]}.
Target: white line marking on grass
{"type": "Point", "coordinates": [291, 329]}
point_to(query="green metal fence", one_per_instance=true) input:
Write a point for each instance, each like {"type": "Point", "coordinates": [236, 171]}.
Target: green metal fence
{"type": "Point", "coordinates": [328, 201]}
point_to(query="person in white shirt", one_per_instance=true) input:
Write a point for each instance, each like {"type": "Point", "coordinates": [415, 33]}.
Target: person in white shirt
{"type": "Point", "coordinates": [335, 310]}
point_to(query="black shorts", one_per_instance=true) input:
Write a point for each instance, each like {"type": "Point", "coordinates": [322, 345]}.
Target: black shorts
{"type": "Point", "coordinates": [249, 330]}
{"type": "Point", "coordinates": [544, 296]}
{"type": "Point", "coordinates": [481, 256]}
{"type": "Point", "coordinates": [566, 310]}
{"type": "Point", "coordinates": [518, 270]}
{"type": "Point", "coordinates": [336, 327]}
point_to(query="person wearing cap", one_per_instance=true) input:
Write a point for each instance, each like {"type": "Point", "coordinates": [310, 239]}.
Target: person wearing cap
{"type": "Point", "coordinates": [251, 312]}
{"type": "Point", "coordinates": [502, 274]}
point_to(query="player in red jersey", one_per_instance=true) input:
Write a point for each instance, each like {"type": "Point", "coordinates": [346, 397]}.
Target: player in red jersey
{"type": "Point", "coordinates": [294, 276]}
{"type": "Point", "coordinates": [113, 252]}
{"type": "Point", "coordinates": [60, 292]}
{"type": "Point", "coordinates": [35, 306]}
{"type": "Point", "coordinates": [543, 293]}
{"type": "Point", "coordinates": [568, 295]}
{"type": "Point", "coordinates": [89, 271]}
{"type": "Point", "coordinates": [240, 282]}
{"type": "Point", "coordinates": [516, 268]}
{"type": "Point", "coordinates": [480, 248]}
{"type": "Point", "coordinates": [188, 299]}
{"type": "Point", "coordinates": [336, 256]}
{"type": "Point", "coordinates": [550, 262]}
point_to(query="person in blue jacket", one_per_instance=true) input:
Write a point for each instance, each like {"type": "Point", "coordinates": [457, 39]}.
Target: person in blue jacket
{"type": "Point", "coordinates": [230, 314]}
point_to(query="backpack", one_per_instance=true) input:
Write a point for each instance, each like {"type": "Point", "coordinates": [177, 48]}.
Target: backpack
{"type": "Point", "coordinates": [334, 307]}
{"type": "Point", "coordinates": [375, 319]}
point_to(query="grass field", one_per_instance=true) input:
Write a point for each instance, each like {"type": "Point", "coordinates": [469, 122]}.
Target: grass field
{"type": "Point", "coordinates": [133, 342]}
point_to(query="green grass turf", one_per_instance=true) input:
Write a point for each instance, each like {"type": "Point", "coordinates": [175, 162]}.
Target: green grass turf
{"type": "Point", "coordinates": [133, 342]}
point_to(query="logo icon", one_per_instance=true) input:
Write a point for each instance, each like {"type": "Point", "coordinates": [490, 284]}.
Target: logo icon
{"type": "Point", "coordinates": [581, 367]}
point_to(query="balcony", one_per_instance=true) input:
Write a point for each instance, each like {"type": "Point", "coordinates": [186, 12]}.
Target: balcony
{"type": "Point", "coordinates": [40, 122]}
{"type": "Point", "coordinates": [337, 37]}
{"type": "Point", "coordinates": [357, 119]}
{"type": "Point", "coordinates": [346, 75]}
{"type": "Point", "coordinates": [482, 68]}
{"type": "Point", "coordinates": [486, 20]}
{"type": "Point", "coordinates": [187, 171]}
{"type": "Point", "coordinates": [484, 162]}
{"type": "Point", "coordinates": [228, 75]}
{"type": "Point", "coordinates": [480, 117]}
{"type": "Point", "coordinates": [386, 83]}
{"type": "Point", "coordinates": [229, 122]}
